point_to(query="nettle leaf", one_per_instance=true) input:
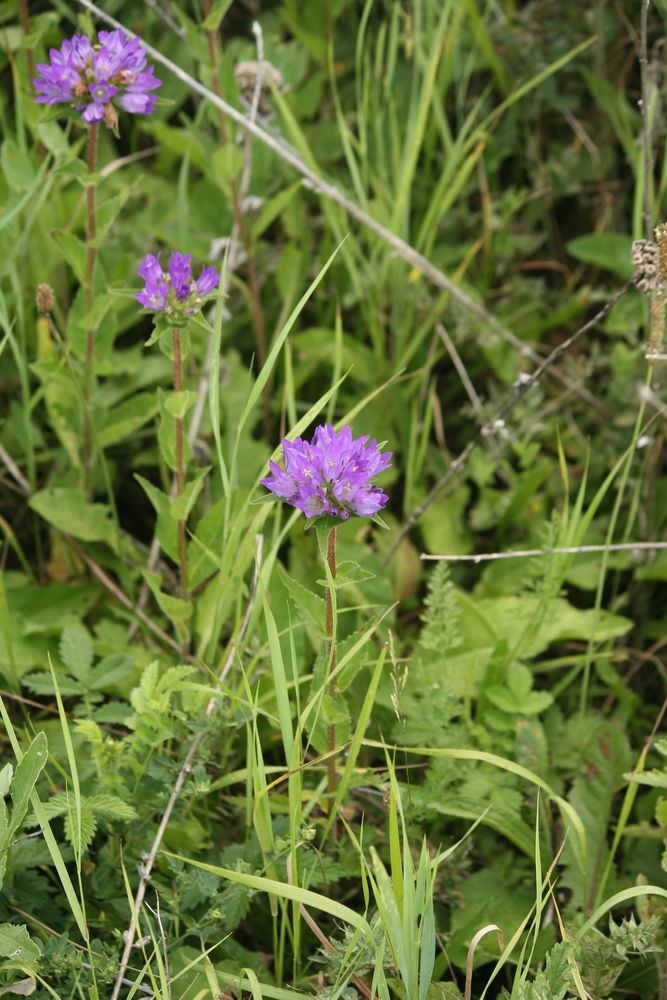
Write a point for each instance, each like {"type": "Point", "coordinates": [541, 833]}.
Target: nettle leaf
{"type": "Point", "coordinates": [166, 527]}
{"type": "Point", "coordinates": [76, 651]}
{"type": "Point", "coordinates": [69, 511]}
{"type": "Point", "coordinates": [80, 829]}
{"type": "Point", "coordinates": [110, 670]}
{"type": "Point", "coordinates": [111, 807]}
{"type": "Point", "coordinates": [181, 507]}
{"type": "Point", "coordinates": [42, 683]}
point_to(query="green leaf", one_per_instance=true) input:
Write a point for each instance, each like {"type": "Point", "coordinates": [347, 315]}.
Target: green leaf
{"type": "Point", "coordinates": [76, 651]}
{"type": "Point", "coordinates": [27, 772]}
{"type": "Point", "coordinates": [609, 251]}
{"type": "Point", "coordinates": [177, 404]}
{"type": "Point", "coordinates": [176, 609]}
{"type": "Point", "coordinates": [111, 807]}
{"type": "Point", "coordinates": [310, 605]}
{"type": "Point", "coordinates": [16, 943]}
{"type": "Point", "coordinates": [69, 511]}
{"type": "Point", "coordinates": [6, 779]}
{"type": "Point", "coordinates": [181, 507]}
{"type": "Point", "coordinates": [110, 670]}
{"type": "Point", "coordinates": [218, 11]}
{"type": "Point", "coordinates": [126, 418]}
{"type": "Point", "coordinates": [79, 830]}
{"type": "Point", "coordinates": [21, 988]}
{"type": "Point", "coordinates": [166, 527]}
{"type": "Point", "coordinates": [73, 250]}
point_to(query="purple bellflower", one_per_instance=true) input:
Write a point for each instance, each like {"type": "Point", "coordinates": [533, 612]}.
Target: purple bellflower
{"type": "Point", "coordinates": [98, 79]}
{"type": "Point", "coordinates": [174, 292]}
{"type": "Point", "coordinates": [330, 475]}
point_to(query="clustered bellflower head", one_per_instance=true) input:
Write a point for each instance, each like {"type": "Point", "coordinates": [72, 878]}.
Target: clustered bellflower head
{"type": "Point", "coordinates": [174, 292]}
{"type": "Point", "coordinates": [99, 78]}
{"type": "Point", "coordinates": [330, 475]}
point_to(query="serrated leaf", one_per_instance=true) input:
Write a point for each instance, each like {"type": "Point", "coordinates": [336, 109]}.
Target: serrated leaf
{"type": "Point", "coordinates": [330, 712]}
{"type": "Point", "coordinates": [111, 807]}
{"type": "Point", "coordinates": [76, 651]}
{"type": "Point", "coordinates": [42, 683]}
{"type": "Point", "coordinates": [79, 834]}
{"type": "Point", "coordinates": [110, 670]}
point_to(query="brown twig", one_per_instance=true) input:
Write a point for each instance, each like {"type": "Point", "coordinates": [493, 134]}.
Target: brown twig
{"type": "Point", "coordinates": [185, 770]}
{"type": "Point", "coordinates": [521, 387]}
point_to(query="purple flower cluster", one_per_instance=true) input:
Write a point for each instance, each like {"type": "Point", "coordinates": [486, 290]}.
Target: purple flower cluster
{"type": "Point", "coordinates": [174, 292]}
{"type": "Point", "coordinates": [97, 77]}
{"type": "Point", "coordinates": [330, 474]}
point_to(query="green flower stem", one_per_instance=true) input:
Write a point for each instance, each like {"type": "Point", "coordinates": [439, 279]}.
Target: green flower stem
{"type": "Point", "coordinates": [91, 254]}
{"type": "Point", "coordinates": [332, 779]}
{"type": "Point", "coordinates": [180, 465]}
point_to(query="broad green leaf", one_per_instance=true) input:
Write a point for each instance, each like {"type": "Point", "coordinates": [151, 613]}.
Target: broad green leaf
{"type": "Point", "coordinates": [310, 605]}
{"type": "Point", "coordinates": [181, 507]}
{"type": "Point", "coordinates": [176, 609]}
{"type": "Point", "coordinates": [609, 251]}
{"type": "Point", "coordinates": [69, 511]}
{"type": "Point", "coordinates": [177, 404]}
{"type": "Point", "coordinates": [16, 943]}
{"type": "Point", "coordinates": [126, 418]}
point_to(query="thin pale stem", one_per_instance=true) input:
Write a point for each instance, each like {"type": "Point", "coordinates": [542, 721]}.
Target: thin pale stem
{"type": "Point", "coordinates": [180, 465]}
{"type": "Point", "coordinates": [331, 658]}
{"type": "Point", "coordinates": [91, 254]}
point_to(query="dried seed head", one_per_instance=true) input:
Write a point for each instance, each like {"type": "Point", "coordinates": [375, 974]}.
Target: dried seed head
{"type": "Point", "coordinates": [44, 299]}
{"type": "Point", "coordinates": [645, 258]}
{"type": "Point", "coordinates": [245, 74]}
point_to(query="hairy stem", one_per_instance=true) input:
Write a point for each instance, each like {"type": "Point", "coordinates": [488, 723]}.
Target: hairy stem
{"type": "Point", "coordinates": [331, 658]}
{"type": "Point", "coordinates": [180, 465]}
{"type": "Point", "coordinates": [91, 254]}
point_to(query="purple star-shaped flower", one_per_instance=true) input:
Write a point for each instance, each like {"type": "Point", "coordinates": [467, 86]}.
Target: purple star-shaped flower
{"type": "Point", "coordinates": [330, 475]}
{"type": "Point", "coordinates": [97, 78]}
{"type": "Point", "coordinates": [175, 292]}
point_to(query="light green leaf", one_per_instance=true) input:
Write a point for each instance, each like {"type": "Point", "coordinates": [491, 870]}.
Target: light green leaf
{"type": "Point", "coordinates": [166, 528]}
{"type": "Point", "coordinates": [177, 404]}
{"type": "Point", "coordinates": [181, 507]}
{"type": "Point", "coordinates": [73, 250]}
{"type": "Point", "coordinates": [609, 251]}
{"type": "Point", "coordinates": [126, 418]}
{"type": "Point", "coordinates": [69, 511]}
{"type": "Point", "coordinates": [16, 943]}
{"type": "Point", "coordinates": [76, 651]}
{"type": "Point", "coordinates": [27, 772]}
